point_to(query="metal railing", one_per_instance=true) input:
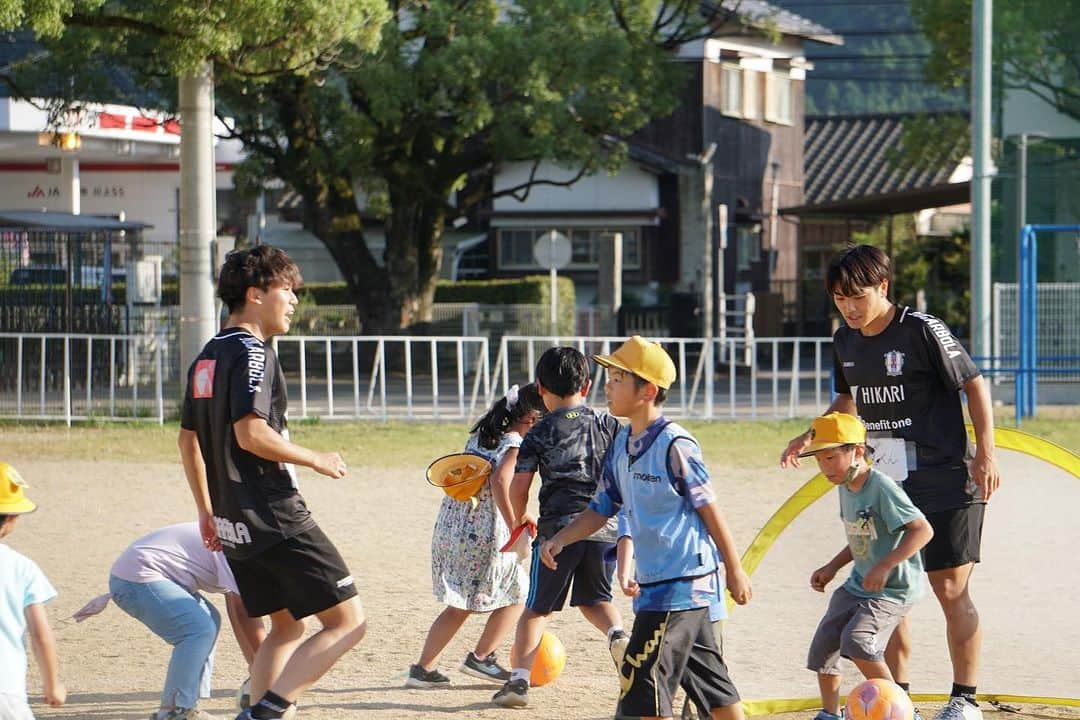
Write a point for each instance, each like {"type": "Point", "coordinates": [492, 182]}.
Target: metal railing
{"type": "Point", "coordinates": [383, 377]}
{"type": "Point", "coordinates": [76, 377]}
{"type": "Point", "coordinates": [770, 377]}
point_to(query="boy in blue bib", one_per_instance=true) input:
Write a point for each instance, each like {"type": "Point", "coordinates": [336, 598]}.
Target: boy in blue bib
{"type": "Point", "coordinates": [655, 474]}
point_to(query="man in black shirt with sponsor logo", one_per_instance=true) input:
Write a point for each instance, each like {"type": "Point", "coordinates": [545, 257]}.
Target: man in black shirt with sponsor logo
{"type": "Point", "coordinates": [238, 461]}
{"type": "Point", "coordinates": [902, 372]}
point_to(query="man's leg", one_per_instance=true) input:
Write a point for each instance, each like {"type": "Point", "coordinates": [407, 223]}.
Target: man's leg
{"type": "Point", "coordinates": [961, 621]}
{"type": "Point", "coordinates": [286, 634]}
{"type": "Point", "coordinates": [342, 628]}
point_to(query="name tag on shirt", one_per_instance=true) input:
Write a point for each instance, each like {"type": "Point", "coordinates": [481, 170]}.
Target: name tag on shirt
{"type": "Point", "coordinates": [890, 457]}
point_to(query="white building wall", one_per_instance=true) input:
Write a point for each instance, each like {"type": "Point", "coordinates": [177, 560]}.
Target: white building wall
{"type": "Point", "coordinates": [632, 188]}
{"type": "Point", "coordinates": [148, 196]}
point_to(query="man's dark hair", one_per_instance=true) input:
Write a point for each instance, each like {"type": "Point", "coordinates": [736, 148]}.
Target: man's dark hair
{"type": "Point", "coordinates": [562, 370]}
{"type": "Point", "coordinates": [661, 393]}
{"type": "Point", "coordinates": [260, 266]}
{"type": "Point", "coordinates": [857, 267]}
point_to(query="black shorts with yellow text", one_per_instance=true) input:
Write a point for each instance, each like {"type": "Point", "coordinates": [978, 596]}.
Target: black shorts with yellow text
{"type": "Point", "coordinates": [668, 649]}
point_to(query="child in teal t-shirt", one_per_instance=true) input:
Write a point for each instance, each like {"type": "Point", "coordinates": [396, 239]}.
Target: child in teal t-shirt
{"type": "Point", "coordinates": [885, 532]}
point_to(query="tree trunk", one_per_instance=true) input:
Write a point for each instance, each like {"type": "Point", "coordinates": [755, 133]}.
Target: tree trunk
{"type": "Point", "coordinates": [401, 292]}
{"type": "Point", "coordinates": [413, 256]}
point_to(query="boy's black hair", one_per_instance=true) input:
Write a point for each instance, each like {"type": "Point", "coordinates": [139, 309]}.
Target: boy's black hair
{"type": "Point", "coordinates": [260, 266]}
{"type": "Point", "coordinates": [661, 393]}
{"type": "Point", "coordinates": [857, 267]}
{"type": "Point", "coordinates": [562, 370]}
{"type": "Point", "coordinates": [496, 421]}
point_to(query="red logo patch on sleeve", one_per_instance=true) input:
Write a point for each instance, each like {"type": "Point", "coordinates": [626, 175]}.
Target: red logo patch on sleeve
{"type": "Point", "coordinates": [202, 382]}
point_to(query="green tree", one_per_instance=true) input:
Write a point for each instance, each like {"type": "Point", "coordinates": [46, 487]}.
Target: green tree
{"type": "Point", "coordinates": [422, 127]}
{"type": "Point", "coordinates": [1034, 49]}
{"type": "Point", "coordinates": [936, 266]}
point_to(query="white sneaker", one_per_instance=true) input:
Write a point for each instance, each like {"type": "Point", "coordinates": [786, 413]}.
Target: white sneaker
{"type": "Point", "coordinates": [617, 646]}
{"type": "Point", "coordinates": [959, 709]}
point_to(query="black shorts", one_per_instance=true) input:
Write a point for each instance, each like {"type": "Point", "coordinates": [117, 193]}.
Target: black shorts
{"type": "Point", "coordinates": [585, 563]}
{"type": "Point", "coordinates": [668, 649]}
{"type": "Point", "coordinates": [303, 574]}
{"type": "Point", "coordinates": [957, 537]}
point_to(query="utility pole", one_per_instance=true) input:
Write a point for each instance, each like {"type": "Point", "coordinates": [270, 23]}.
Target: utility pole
{"type": "Point", "coordinates": [197, 222]}
{"type": "Point", "coordinates": [983, 170]}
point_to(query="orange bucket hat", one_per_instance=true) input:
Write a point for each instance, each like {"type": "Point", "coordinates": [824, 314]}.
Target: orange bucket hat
{"type": "Point", "coordinates": [460, 475]}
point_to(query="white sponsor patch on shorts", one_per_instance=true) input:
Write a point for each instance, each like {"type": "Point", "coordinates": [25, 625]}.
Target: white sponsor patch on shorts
{"type": "Point", "coordinates": [345, 581]}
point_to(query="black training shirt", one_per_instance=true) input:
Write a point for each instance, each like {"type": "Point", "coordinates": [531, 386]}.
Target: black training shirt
{"type": "Point", "coordinates": [256, 502]}
{"type": "Point", "coordinates": [567, 447]}
{"type": "Point", "coordinates": [906, 383]}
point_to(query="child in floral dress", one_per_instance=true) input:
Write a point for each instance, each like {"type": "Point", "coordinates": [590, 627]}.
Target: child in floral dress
{"type": "Point", "coordinates": [468, 571]}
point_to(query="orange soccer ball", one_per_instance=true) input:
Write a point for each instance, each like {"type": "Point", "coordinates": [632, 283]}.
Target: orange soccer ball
{"type": "Point", "coordinates": [879, 700]}
{"type": "Point", "coordinates": [549, 662]}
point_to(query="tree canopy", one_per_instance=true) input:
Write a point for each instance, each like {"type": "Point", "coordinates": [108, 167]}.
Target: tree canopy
{"type": "Point", "coordinates": [403, 112]}
{"type": "Point", "coordinates": [422, 126]}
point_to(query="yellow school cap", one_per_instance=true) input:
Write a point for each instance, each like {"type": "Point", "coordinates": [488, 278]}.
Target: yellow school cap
{"type": "Point", "coordinates": [834, 430]}
{"type": "Point", "coordinates": [12, 499]}
{"type": "Point", "coordinates": [648, 360]}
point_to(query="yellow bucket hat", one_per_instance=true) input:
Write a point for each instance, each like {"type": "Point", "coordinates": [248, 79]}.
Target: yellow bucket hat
{"type": "Point", "coordinates": [12, 499]}
{"type": "Point", "coordinates": [834, 430]}
{"type": "Point", "coordinates": [460, 475]}
{"type": "Point", "coordinates": [648, 360]}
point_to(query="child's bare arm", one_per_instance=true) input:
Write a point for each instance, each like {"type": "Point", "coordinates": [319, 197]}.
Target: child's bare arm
{"type": "Point", "coordinates": [519, 495]}
{"type": "Point", "coordinates": [501, 481]}
{"type": "Point", "coordinates": [738, 582]}
{"type": "Point", "coordinates": [624, 558]}
{"type": "Point", "coordinates": [41, 638]}
{"type": "Point", "coordinates": [249, 631]}
{"type": "Point", "coordinates": [916, 534]}
{"type": "Point", "coordinates": [824, 574]}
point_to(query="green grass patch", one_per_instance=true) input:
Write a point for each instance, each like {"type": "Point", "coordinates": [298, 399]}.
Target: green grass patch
{"type": "Point", "coordinates": [746, 443]}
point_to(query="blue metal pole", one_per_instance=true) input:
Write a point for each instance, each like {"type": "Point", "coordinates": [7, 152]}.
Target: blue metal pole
{"type": "Point", "coordinates": [1021, 326]}
{"type": "Point", "coordinates": [1033, 324]}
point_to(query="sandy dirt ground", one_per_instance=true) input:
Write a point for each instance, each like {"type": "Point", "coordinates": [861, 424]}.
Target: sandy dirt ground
{"type": "Point", "coordinates": [381, 519]}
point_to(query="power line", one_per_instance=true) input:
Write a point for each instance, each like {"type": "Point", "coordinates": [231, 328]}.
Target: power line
{"type": "Point", "coordinates": [872, 56]}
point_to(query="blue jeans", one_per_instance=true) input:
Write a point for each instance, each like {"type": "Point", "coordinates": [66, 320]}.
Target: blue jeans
{"type": "Point", "coordinates": [184, 620]}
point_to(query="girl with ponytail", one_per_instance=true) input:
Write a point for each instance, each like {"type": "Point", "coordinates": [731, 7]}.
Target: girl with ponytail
{"type": "Point", "coordinates": [468, 571]}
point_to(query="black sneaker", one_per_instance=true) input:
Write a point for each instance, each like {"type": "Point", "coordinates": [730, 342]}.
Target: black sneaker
{"type": "Point", "coordinates": [421, 678]}
{"type": "Point", "coordinates": [486, 669]}
{"type": "Point", "coordinates": [514, 694]}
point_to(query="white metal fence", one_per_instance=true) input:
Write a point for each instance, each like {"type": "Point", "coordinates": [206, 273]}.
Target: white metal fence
{"type": "Point", "coordinates": [121, 377]}
{"type": "Point", "coordinates": [385, 377]}
{"type": "Point", "coordinates": [770, 377]}
{"type": "Point", "coordinates": [72, 377]}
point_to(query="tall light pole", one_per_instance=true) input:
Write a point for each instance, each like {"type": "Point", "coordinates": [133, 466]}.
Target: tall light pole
{"type": "Point", "coordinates": [981, 34]}
{"type": "Point", "coordinates": [197, 222]}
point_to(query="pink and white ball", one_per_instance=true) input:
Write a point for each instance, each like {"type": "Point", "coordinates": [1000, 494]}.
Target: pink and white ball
{"type": "Point", "coordinates": [879, 700]}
